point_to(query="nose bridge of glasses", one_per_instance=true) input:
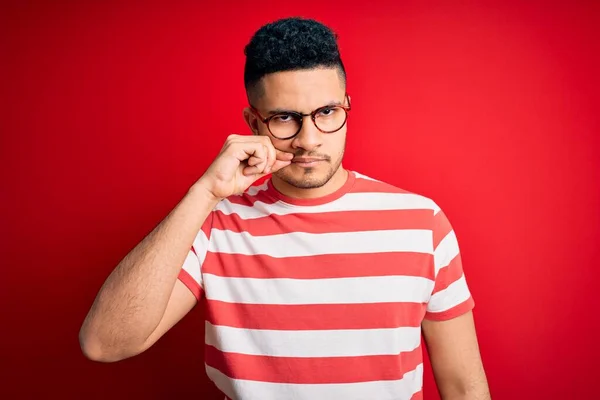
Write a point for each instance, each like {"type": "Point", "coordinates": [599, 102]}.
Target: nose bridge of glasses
{"type": "Point", "coordinates": [312, 124]}
{"type": "Point", "coordinates": [308, 135]}
{"type": "Point", "coordinates": [300, 117]}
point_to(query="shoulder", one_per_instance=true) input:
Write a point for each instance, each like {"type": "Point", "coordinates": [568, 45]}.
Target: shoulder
{"type": "Point", "coordinates": [369, 186]}
{"type": "Point", "coordinates": [422, 211]}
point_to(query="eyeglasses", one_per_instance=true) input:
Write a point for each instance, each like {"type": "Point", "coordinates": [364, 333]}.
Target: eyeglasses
{"type": "Point", "coordinates": [287, 124]}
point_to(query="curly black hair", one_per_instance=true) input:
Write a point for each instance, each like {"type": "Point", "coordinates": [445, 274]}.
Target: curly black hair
{"type": "Point", "coordinates": [290, 44]}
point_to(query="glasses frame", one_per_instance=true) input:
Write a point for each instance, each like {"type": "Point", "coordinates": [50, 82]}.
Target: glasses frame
{"type": "Point", "coordinates": [300, 117]}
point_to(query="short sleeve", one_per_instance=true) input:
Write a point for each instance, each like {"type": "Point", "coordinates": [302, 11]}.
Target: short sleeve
{"type": "Point", "coordinates": [450, 296]}
{"type": "Point", "coordinates": [191, 271]}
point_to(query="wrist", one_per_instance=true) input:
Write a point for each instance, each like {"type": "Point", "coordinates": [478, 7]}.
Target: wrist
{"type": "Point", "coordinates": [201, 189]}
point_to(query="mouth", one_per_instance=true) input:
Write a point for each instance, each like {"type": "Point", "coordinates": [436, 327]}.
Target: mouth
{"type": "Point", "coordinates": [307, 162]}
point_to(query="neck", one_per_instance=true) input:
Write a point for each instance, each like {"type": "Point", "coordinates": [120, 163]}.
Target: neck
{"type": "Point", "coordinates": [335, 183]}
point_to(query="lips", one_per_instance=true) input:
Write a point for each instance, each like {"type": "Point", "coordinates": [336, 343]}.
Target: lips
{"type": "Point", "coordinates": [306, 160]}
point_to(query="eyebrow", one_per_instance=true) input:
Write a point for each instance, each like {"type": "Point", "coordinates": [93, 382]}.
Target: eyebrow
{"type": "Point", "coordinates": [283, 110]}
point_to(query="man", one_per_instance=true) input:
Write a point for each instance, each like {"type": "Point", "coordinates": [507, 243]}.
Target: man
{"type": "Point", "coordinates": [317, 283]}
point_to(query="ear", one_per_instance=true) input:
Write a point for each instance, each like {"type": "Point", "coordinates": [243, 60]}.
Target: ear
{"type": "Point", "coordinates": [251, 120]}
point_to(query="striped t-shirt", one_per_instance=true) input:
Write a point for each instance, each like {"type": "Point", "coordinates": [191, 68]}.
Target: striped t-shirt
{"type": "Point", "coordinates": [311, 299]}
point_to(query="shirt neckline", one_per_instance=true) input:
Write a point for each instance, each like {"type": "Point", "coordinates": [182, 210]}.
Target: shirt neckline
{"type": "Point", "coordinates": [346, 187]}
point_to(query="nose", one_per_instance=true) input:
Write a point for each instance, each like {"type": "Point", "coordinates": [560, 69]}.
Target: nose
{"type": "Point", "coordinates": [309, 137]}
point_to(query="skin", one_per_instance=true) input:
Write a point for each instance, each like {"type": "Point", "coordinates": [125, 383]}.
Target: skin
{"type": "Point", "coordinates": [304, 91]}
{"type": "Point", "coordinates": [455, 358]}
{"type": "Point", "coordinates": [142, 298]}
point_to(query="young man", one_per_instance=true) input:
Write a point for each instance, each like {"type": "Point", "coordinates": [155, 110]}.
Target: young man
{"type": "Point", "coordinates": [318, 283]}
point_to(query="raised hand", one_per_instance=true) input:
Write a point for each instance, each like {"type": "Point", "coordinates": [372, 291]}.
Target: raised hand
{"type": "Point", "coordinates": [242, 161]}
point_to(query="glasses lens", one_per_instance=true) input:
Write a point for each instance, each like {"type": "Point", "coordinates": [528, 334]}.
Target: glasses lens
{"type": "Point", "coordinates": [330, 119]}
{"type": "Point", "coordinates": [284, 125]}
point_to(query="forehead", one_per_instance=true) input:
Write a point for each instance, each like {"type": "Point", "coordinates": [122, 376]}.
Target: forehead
{"type": "Point", "coordinates": [301, 90]}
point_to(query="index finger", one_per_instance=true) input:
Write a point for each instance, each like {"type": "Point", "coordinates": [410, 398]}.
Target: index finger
{"type": "Point", "coordinates": [283, 155]}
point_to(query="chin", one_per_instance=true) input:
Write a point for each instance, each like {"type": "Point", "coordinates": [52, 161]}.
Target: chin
{"type": "Point", "coordinates": [311, 183]}
{"type": "Point", "coordinates": [306, 178]}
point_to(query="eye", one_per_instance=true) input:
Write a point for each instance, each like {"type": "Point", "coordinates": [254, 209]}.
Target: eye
{"type": "Point", "coordinates": [283, 118]}
{"type": "Point", "coordinates": [326, 112]}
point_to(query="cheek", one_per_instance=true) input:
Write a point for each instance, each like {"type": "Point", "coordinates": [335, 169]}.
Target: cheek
{"type": "Point", "coordinates": [283, 145]}
{"type": "Point", "coordinates": [262, 130]}
{"type": "Point", "coordinates": [336, 145]}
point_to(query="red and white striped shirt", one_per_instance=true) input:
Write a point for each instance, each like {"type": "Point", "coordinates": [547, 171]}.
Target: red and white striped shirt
{"type": "Point", "coordinates": [324, 298]}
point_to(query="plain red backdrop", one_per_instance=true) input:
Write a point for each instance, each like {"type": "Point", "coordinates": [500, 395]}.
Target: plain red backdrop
{"type": "Point", "coordinates": [110, 111]}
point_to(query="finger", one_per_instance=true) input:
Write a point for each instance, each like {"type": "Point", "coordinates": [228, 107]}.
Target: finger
{"type": "Point", "coordinates": [264, 159]}
{"type": "Point", "coordinates": [249, 171]}
{"type": "Point", "coordinates": [254, 161]}
{"type": "Point", "coordinates": [243, 151]}
{"type": "Point", "coordinates": [255, 149]}
{"type": "Point", "coordinates": [279, 164]}
{"type": "Point", "coordinates": [254, 170]}
{"type": "Point", "coordinates": [283, 155]}
{"type": "Point", "coordinates": [272, 157]}
{"type": "Point", "coordinates": [257, 163]}
{"type": "Point", "coordinates": [270, 151]}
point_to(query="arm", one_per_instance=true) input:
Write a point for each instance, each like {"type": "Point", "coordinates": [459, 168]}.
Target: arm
{"type": "Point", "coordinates": [455, 358]}
{"type": "Point", "coordinates": [142, 298]}
{"type": "Point", "coordinates": [448, 326]}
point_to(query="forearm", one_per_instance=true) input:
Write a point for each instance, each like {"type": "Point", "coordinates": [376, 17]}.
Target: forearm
{"type": "Point", "coordinates": [473, 393]}
{"type": "Point", "coordinates": [134, 297]}
{"type": "Point", "coordinates": [455, 358]}
{"type": "Point", "coordinates": [470, 385]}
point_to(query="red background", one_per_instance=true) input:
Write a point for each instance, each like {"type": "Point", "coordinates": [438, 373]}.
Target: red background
{"type": "Point", "coordinates": [111, 111]}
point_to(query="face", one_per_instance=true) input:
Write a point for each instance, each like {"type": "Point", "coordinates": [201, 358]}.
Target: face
{"type": "Point", "coordinates": [317, 155]}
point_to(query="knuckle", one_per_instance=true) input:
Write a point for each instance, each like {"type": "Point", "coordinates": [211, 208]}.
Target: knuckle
{"type": "Point", "coordinates": [231, 138]}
